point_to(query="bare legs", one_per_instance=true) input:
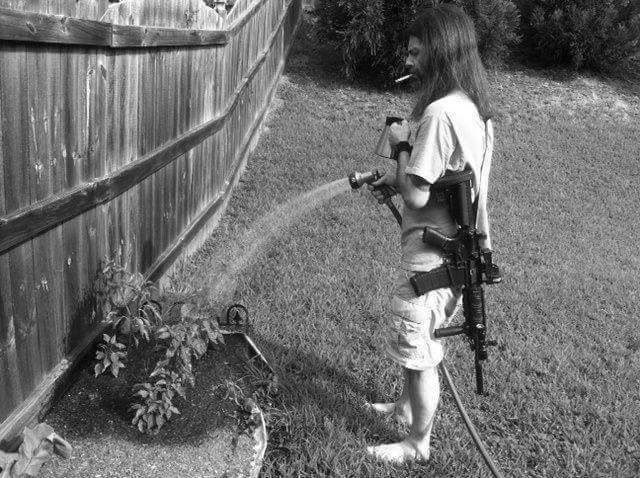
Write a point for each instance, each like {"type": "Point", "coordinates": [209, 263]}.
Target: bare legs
{"type": "Point", "coordinates": [401, 409]}
{"type": "Point", "coordinates": [422, 388]}
{"type": "Point", "coordinates": [424, 392]}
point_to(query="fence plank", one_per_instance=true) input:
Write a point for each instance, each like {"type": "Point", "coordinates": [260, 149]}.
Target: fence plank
{"type": "Point", "coordinates": [73, 229]}
{"type": "Point", "coordinates": [116, 131]}
{"type": "Point", "coordinates": [10, 389]}
{"type": "Point", "coordinates": [147, 138]}
{"type": "Point", "coordinates": [159, 179]}
{"type": "Point", "coordinates": [38, 91]}
{"type": "Point", "coordinates": [57, 180]}
{"type": "Point", "coordinates": [175, 219]}
{"type": "Point", "coordinates": [92, 143]}
{"type": "Point", "coordinates": [132, 83]}
{"type": "Point", "coordinates": [17, 189]}
{"type": "Point", "coordinates": [10, 383]}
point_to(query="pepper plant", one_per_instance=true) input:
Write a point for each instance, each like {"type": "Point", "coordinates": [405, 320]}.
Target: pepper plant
{"type": "Point", "coordinates": [130, 306]}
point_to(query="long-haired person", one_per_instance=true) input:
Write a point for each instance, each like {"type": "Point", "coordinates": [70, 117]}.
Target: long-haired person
{"type": "Point", "coordinates": [453, 132]}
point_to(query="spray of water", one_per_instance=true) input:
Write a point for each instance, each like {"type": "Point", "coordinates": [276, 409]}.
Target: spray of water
{"type": "Point", "coordinates": [222, 284]}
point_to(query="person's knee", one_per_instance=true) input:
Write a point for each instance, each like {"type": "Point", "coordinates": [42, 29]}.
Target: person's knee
{"type": "Point", "coordinates": [420, 375]}
{"type": "Point", "coordinates": [412, 374]}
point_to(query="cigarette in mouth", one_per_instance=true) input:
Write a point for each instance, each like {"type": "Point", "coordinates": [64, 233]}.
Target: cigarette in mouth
{"type": "Point", "coordinates": [404, 78]}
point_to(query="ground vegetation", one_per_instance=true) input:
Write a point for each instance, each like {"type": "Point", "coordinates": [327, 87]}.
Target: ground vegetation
{"type": "Point", "coordinates": [594, 35]}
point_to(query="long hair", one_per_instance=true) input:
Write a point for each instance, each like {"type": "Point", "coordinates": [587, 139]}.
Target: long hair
{"type": "Point", "coordinates": [451, 59]}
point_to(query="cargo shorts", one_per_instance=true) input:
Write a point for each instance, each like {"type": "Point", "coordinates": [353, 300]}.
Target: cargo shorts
{"type": "Point", "coordinates": [413, 319]}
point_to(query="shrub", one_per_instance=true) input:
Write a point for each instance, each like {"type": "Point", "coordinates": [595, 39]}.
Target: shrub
{"type": "Point", "coordinates": [497, 24]}
{"type": "Point", "coordinates": [595, 34]}
{"type": "Point", "coordinates": [370, 33]}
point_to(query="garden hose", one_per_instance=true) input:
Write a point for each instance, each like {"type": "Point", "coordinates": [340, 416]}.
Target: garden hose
{"type": "Point", "coordinates": [472, 431]}
{"type": "Point", "coordinates": [447, 378]}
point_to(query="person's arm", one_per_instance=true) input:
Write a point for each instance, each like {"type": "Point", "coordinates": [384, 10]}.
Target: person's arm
{"type": "Point", "coordinates": [416, 172]}
{"type": "Point", "coordinates": [384, 188]}
{"type": "Point", "coordinates": [415, 191]}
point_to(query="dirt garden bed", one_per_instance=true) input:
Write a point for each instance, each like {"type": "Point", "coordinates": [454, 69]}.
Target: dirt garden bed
{"type": "Point", "coordinates": [215, 435]}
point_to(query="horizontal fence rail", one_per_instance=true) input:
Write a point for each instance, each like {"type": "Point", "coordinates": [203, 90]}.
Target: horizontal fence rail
{"type": "Point", "coordinates": [47, 28]}
{"type": "Point", "coordinates": [123, 129]}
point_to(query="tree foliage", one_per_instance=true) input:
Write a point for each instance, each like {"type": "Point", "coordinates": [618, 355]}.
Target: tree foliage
{"type": "Point", "coordinates": [586, 34]}
{"type": "Point", "coordinates": [594, 34]}
{"type": "Point", "coordinates": [370, 34]}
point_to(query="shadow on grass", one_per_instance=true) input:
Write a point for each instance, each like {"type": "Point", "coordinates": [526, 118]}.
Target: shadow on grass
{"type": "Point", "coordinates": [309, 381]}
{"type": "Point", "coordinates": [326, 427]}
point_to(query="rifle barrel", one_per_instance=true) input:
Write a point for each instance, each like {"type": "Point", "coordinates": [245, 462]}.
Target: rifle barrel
{"type": "Point", "coordinates": [479, 380]}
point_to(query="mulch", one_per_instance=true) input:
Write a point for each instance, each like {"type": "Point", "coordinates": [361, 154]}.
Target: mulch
{"type": "Point", "coordinates": [208, 439]}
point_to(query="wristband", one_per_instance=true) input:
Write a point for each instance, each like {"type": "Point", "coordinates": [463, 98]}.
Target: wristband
{"type": "Point", "coordinates": [401, 146]}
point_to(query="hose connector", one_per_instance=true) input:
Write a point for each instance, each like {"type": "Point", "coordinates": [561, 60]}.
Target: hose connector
{"type": "Point", "coordinates": [357, 180]}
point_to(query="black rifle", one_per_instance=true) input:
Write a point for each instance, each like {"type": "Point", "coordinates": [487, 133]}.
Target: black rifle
{"type": "Point", "coordinates": [466, 265]}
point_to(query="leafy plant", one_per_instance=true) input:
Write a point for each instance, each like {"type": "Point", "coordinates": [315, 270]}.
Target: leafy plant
{"type": "Point", "coordinates": [158, 405]}
{"type": "Point", "coordinates": [110, 355]}
{"type": "Point", "coordinates": [247, 414]}
{"type": "Point", "coordinates": [265, 388]}
{"type": "Point", "coordinates": [182, 343]}
{"type": "Point", "coordinates": [126, 301]}
{"type": "Point", "coordinates": [38, 446]}
{"type": "Point", "coordinates": [128, 304]}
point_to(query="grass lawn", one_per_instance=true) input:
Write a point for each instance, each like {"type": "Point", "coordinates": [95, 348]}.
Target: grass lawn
{"type": "Point", "coordinates": [564, 382]}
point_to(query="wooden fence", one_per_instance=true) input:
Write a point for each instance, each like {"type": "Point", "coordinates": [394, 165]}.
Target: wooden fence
{"type": "Point", "coordinates": [123, 127]}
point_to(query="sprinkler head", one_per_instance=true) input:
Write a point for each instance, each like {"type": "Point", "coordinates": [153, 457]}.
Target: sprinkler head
{"type": "Point", "coordinates": [357, 180]}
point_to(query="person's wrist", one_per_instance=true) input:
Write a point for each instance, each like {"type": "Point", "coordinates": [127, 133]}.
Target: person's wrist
{"type": "Point", "coordinates": [401, 146]}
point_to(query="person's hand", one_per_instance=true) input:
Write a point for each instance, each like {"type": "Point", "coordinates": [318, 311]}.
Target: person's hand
{"type": "Point", "coordinates": [383, 188]}
{"type": "Point", "coordinates": [399, 132]}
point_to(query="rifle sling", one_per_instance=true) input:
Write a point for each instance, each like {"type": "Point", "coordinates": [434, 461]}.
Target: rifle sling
{"type": "Point", "coordinates": [443, 276]}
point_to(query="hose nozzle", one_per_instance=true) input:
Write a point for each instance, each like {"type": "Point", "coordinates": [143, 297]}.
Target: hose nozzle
{"type": "Point", "coordinates": [357, 180]}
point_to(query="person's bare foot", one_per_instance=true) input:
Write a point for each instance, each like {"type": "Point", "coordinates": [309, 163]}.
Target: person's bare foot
{"type": "Point", "coordinates": [401, 452]}
{"type": "Point", "coordinates": [401, 412]}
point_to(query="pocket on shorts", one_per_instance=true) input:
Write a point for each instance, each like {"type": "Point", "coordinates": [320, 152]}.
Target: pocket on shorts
{"type": "Point", "coordinates": [411, 338]}
{"type": "Point", "coordinates": [410, 324]}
